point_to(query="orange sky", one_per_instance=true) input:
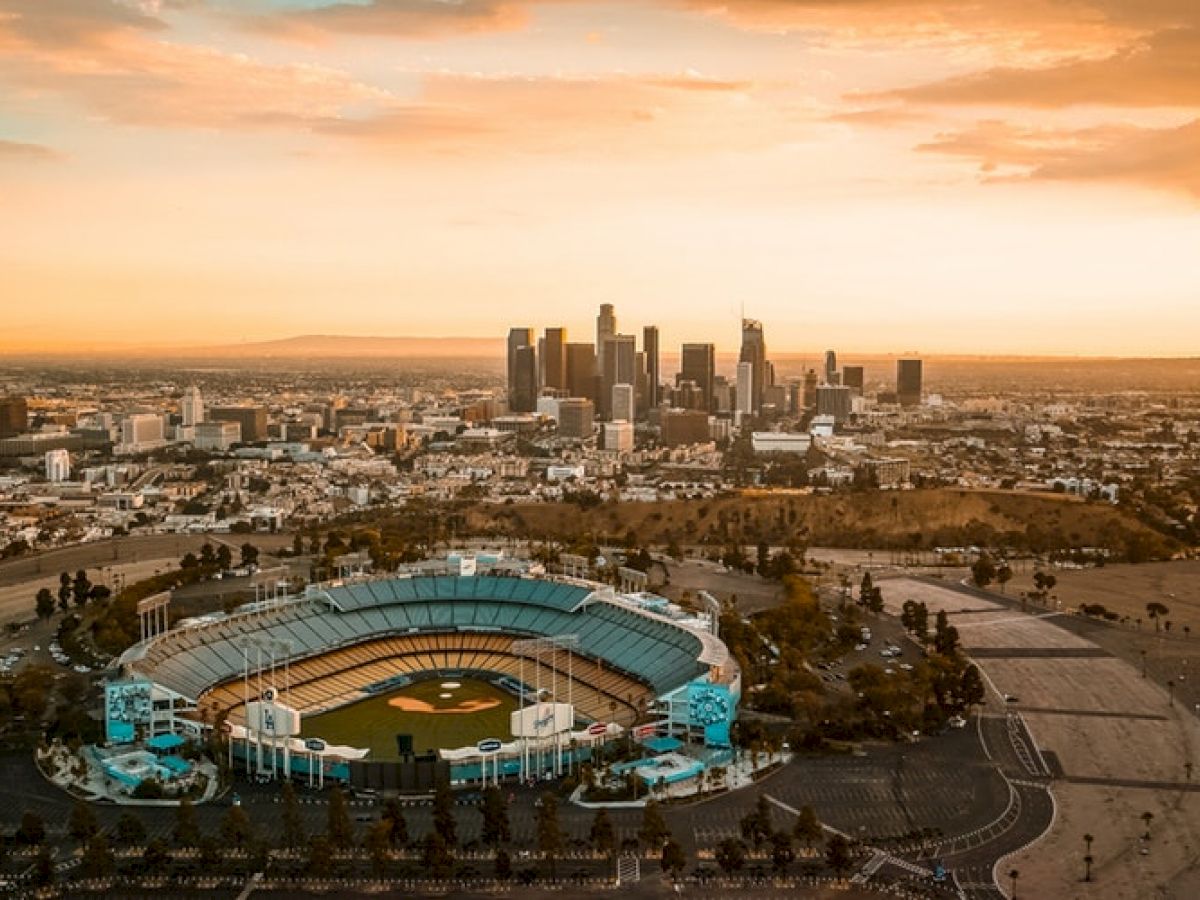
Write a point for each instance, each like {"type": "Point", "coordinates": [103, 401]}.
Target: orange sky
{"type": "Point", "coordinates": [1013, 176]}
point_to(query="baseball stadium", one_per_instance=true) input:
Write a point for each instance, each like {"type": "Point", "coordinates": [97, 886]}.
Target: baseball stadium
{"type": "Point", "coordinates": [492, 668]}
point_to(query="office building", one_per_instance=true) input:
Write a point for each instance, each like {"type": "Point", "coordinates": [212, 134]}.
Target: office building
{"type": "Point", "coordinates": [853, 378]}
{"type": "Point", "coordinates": [623, 403]}
{"type": "Point", "coordinates": [908, 382]}
{"type": "Point", "coordinates": [745, 389]}
{"type": "Point", "coordinates": [522, 393]}
{"type": "Point", "coordinates": [620, 367]}
{"type": "Point", "coordinates": [220, 436]}
{"type": "Point", "coordinates": [754, 351]}
{"type": "Point", "coordinates": [835, 400]}
{"type": "Point", "coordinates": [698, 363]}
{"type": "Point", "coordinates": [581, 370]}
{"type": "Point", "coordinates": [14, 416]}
{"type": "Point", "coordinates": [191, 408]}
{"type": "Point", "coordinates": [253, 420]}
{"type": "Point", "coordinates": [618, 436]}
{"type": "Point", "coordinates": [810, 389]}
{"type": "Point", "coordinates": [519, 338]}
{"type": "Point", "coordinates": [653, 365]}
{"type": "Point", "coordinates": [606, 328]}
{"type": "Point", "coordinates": [554, 359]}
{"type": "Point", "coordinates": [58, 466]}
{"type": "Point", "coordinates": [142, 431]}
{"type": "Point", "coordinates": [576, 418]}
{"type": "Point", "coordinates": [684, 426]}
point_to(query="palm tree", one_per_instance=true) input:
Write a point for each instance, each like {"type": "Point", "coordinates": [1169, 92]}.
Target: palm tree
{"type": "Point", "coordinates": [1013, 874]}
{"type": "Point", "coordinates": [1147, 817]}
{"type": "Point", "coordinates": [1087, 867]}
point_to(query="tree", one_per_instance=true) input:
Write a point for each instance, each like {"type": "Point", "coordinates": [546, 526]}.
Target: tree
{"type": "Point", "coordinates": [249, 554]}
{"type": "Point", "coordinates": [187, 833]}
{"type": "Point", "coordinates": [436, 855]}
{"type": "Point", "coordinates": [43, 869]}
{"type": "Point", "coordinates": [864, 588]}
{"type": "Point", "coordinates": [81, 588]}
{"type": "Point", "coordinates": [443, 815]}
{"type": "Point", "coordinates": [157, 856]}
{"type": "Point", "coordinates": [731, 855]}
{"type": "Point", "coordinates": [1004, 575]}
{"type": "Point", "coordinates": [549, 834]}
{"type": "Point", "coordinates": [971, 690]}
{"type": "Point", "coordinates": [495, 818]}
{"type": "Point", "coordinates": [378, 843]}
{"type": "Point", "coordinates": [807, 829]}
{"type": "Point", "coordinates": [756, 824]}
{"type": "Point", "coordinates": [45, 604]}
{"type": "Point", "coordinates": [208, 557]}
{"type": "Point", "coordinates": [393, 814]}
{"type": "Point", "coordinates": [32, 830]}
{"type": "Point", "coordinates": [838, 855]}
{"type": "Point", "coordinates": [189, 561]}
{"type": "Point", "coordinates": [339, 828]}
{"type": "Point", "coordinates": [1156, 611]}
{"type": "Point", "coordinates": [782, 854]}
{"type": "Point", "coordinates": [293, 823]}
{"type": "Point", "coordinates": [98, 861]}
{"type": "Point", "coordinates": [502, 866]}
{"type": "Point", "coordinates": [64, 591]}
{"type": "Point", "coordinates": [320, 857]}
{"type": "Point", "coordinates": [654, 827]}
{"type": "Point", "coordinates": [674, 860]}
{"type": "Point", "coordinates": [130, 830]}
{"type": "Point", "coordinates": [602, 835]}
{"type": "Point", "coordinates": [875, 601]}
{"type": "Point", "coordinates": [82, 824]}
{"type": "Point", "coordinates": [224, 557]}
{"type": "Point", "coordinates": [983, 570]}
{"type": "Point", "coordinates": [236, 830]}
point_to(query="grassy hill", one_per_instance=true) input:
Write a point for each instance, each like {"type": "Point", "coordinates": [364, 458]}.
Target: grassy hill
{"type": "Point", "coordinates": [909, 519]}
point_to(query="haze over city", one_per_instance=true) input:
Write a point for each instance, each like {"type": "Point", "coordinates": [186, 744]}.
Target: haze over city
{"type": "Point", "coordinates": [1008, 177]}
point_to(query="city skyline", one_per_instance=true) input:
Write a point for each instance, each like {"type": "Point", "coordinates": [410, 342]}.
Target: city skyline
{"type": "Point", "coordinates": [1013, 178]}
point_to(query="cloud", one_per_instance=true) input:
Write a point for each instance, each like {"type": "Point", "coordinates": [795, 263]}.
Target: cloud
{"type": "Point", "coordinates": [110, 59]}
{"type": "Point", "coordinates": [1162, 158]}
{"type": "Point", "coordinates": [495, 115]}
{"type": "Point", "coordinates": [19, 151]}
{"type": "Point", "coordinates": [405, 18]}
{"type": "Point", "coordinates": [1162, 70]}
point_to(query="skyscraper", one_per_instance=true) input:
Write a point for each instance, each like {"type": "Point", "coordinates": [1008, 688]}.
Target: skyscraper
{"type": "Point", "coordinates": [754, 351]}
{"type": "Point", "coordinates": [908, 382]}
{"type": "Point", "coordinates": [620, 367]}
{"type": "Point", "coordinates": [517, 338]}
{"type": "Point", "coordinates": [852, 377]}
{"type": "Point", "coordinates": [745, 388]}
{"type": "Point", "coordinates": [581, 370]}
{"type": "Point", "coordinates": [830, 367]}
{"type": "Point", "coordinates": [523, 395]}
{"type": "Point", "coordinates": [606, 327]}
{"type": "Point", "coordinates": [554, 358]}
{"type": "Point", "coordinates": [653, 372]}
{"type": "Point", "coordinates": [622, 402]}
{"type": "Point", "coordinates": [191, 408]}
{"type": "Point", "coordinates": [834, 400]}
{"type": "Point", "coordinates": [810, 389]}
{"type": "Point", "coordinates": [698, 363]}
{"type": "Point", "coordinates": [14, 416]}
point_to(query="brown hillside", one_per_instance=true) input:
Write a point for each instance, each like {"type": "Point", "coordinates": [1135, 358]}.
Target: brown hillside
{"type": "Point", "coordinates": [909, 519]}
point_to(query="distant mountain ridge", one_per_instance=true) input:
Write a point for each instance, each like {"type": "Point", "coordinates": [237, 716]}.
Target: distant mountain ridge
{"type": "Point", "coordinates": [333, 346]}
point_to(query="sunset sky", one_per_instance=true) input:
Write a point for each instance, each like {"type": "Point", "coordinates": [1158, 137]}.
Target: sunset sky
{"type": "Point", "coordinates": [1001, 176]}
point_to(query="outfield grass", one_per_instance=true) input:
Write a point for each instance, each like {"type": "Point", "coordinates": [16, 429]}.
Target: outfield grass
{"type": "Point", "coordinates": [375, 722]}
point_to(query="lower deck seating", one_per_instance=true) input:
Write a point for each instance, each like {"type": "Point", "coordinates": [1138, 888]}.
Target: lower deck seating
{"type": "Point", "coordinates": [332, 679]}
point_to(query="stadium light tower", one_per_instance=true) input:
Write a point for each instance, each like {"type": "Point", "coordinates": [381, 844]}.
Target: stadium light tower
{"type": "Point", "coordinates": [536, 648]}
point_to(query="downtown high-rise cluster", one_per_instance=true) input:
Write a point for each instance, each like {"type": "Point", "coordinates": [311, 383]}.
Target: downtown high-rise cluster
{"type": "Point", "coordinates": [614, 378]}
